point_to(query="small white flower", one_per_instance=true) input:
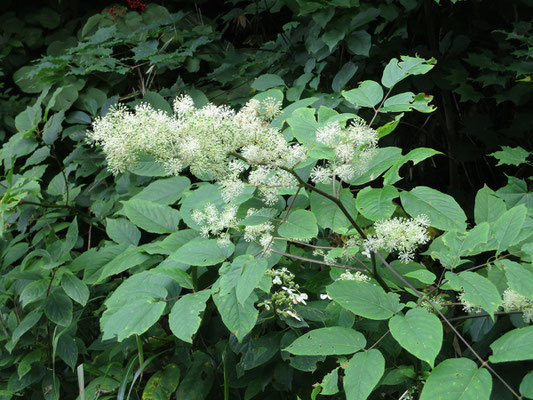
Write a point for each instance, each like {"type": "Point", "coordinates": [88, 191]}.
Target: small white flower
{"type": "Point", "coordinates": [325, 296]}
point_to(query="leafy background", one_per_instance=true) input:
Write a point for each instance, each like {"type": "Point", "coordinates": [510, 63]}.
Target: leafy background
{"type": "Point", "coordinates": [64, 232]}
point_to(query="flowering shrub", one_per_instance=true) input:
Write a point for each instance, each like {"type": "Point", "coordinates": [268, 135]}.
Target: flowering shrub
{"type": "Point", "coordinates": [304, 175]}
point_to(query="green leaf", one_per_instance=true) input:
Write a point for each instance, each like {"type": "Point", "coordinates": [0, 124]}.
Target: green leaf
{"type": "Point", "coordinates": [516, 345]}
{"type": "Point", "coordinates": [516, 192]}
{"type": "Point", "coordinates": [506, 228]}
{"type": "Point", "coordinates": [419, 332]}
{"type": "Point", "coordinates": [300, 224]}
{"type": "Point", "coordinates": [151, 217]}
{"type": "Point", "coordinates": [441, 209]}
{"type": "Point", "coordinates": [164, 191]}
{"type": "Point", "coordinates": [252, 273]}
{"type": "Point", "coordinates": [359, 43]}
{"type": "Point", "coordinates": [332, 37]}
{"type": "Point", "coordinates": [395, 71]}
{"type": "Point", "coordinates": [178, 275]}
{"type": "Point", "coordinates": [526, 386]}
{"type": "Point", "coordinates": [511, 156]}
{"type": "Point", "coordinates": [479, 291]}
{"type": "Point", "coordinates": [398, 103]}
{"type": "Point", "coordinates": [75, 288]}
{"type": "Point", "coordinates": [384, 158]}
{"type": "Point", "coordinates": [368, 94]}
{"type": "Point", "coordinates": [330, 383]}
{"type": "Point", "coordinates": [303, 125]}
{"type": "Point", "coordinates": [25, 325]}
{"type": "Point", "coordinates": [389, 127]}
{"type": "Point", "coordinates": [134, 306]}
{"type": "Point", "coordinates": [203, 252]}
{"type": "Point", "coordinates": [121, 230]}
{"type": "Point", "coordinates": [184, 319]}
{"type": "Point", "coordinates": [457, 379]}
{"type": "Point", "coordinates": [145, 165]}
{"type": "Point", "coordinates": [342, 77]}
{"type": "Point", "coordinates": [267, 81]}
{"type": "Point", "coordinates": [488, 207]}
{"type": "Point", "coordinates": [157, 102]}
{"type": "Point", "coordinates": [417, 155]}
{"type": "Point", "coordinates": [327, 213]}
{"type": "Point", "coordinates": [70, 239]}
{"type": "Point", "coordinates": [519, 277]}
{"type": "Point", "coordinates": [327, 341]}
{"type": "Point", "coordinates": [129, 258]}
{"type": "Point", "coordinates": [238, 318]}
{"type": "Point", "coordinates": [376, 203]}
{"type": "Point", "coordinates": [362, 374]}
{"type": "Point", "coordinates": [58, 308]}
{"type": "Point", "coordinates": [162, 384]}
{"type": "Point", "coordinates": [364, 299]}
{"type": "Point", "coordinates": [53, 127]}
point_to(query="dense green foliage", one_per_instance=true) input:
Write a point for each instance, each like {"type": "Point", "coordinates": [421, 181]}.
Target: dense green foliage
{"type": "Point", "coordinates": [109, 287]}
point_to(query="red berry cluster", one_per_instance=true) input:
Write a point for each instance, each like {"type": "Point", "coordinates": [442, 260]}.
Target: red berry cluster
{"type": "Point", "coordinates": [133, 4]}
{"type": "Point", "coordinates": [115, 12]}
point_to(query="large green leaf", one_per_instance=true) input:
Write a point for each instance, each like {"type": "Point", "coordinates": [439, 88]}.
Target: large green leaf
{"type": "Point", "coordinates": [121, 230]}
{"type": "Point", "coordinates": [129, 258]}
{"type": "Point", "coordinates": [238, 318]}
{"type": "Point", "coordinates": [203, 252]}
{"type": "Point", "coordinates": [376, 203]}
{"type": "Point", "coordinates": [396, 70]}
{"type": "Point", "coordinates": [457, 379]}
{"type": "Point", "coordinates": [516, 345]}
{"type": "Point", "coordinates": [162, 384]}
{"type": "Point", "coordinates": [384, 158]}
{"type": "Point", "coordinates": [151, 217]}
{"type": "Point", "coordinates": [511, 155]}
{"type": "Point", "coordinates": [364, 299]}
{"type": "Point", "coordinates": [419, 332]}
{"type": "Point", "coordinates": [520, 278]}
{"type": "Point", "coordinates": [506, 228]}
{"type": "Point", "coordinates": [526, 386]}
{"type": "Point", "coordinates": [300, 224]}
{"type": "Point", "coordinates": [416, 155]}
{"type": "Point", "coordinates": [164, 191]}
{"type": "Point", "coordinates": [75, 288]}
{"type": "Point", "coordinates": [442, 210]}
{"type": "Point", "coordinates": [362, 374]}
{"type": "Point", "coordinates": [488, 207]}
{"type": "Point", "coordinates": [134, 306]}
{"type": "Point", "coordinates": [184, 319]}
{"type": "Point", "coordinates": [58, 308]}
{"type": "Point", "coordinates": [479, 291]}
{"type": "Point", "coordinates": [252, 272]}
{"type": "Point", "coordinates": [327, 341]}
{"type": "Point", "coordinates": [267, 81]}
{"type": "Point", "coordinates": [329, 215]}
{"type": "Point", "coordinates": [368, 94]}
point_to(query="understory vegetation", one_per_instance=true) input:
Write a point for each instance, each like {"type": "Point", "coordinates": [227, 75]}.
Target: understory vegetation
{"type": "Point", "coordinates": [266, 199]}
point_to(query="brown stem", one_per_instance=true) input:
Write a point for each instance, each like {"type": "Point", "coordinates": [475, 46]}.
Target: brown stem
{"type": "Point", "coordinates": [317, 261]}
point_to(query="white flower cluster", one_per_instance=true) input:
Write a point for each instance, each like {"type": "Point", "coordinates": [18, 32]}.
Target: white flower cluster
{"type": "Point", "coordinates": [357, 276]}
{"type": "Point", "coordinates": [283, 300]}
{"type": "Point", "coordinates": [215, 222]}
{"type": "Point", "coordinates": [513, 301]}
{"type": "Point", "coordinates": [398, 234]}
{"type": "Point", "coordinates": [205, 140]}
{"type": "Point", "coordinates": [354, 146]}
